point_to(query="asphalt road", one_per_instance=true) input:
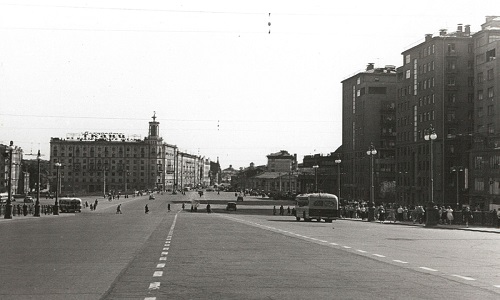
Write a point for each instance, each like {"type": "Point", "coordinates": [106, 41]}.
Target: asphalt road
{"type": "Point", "coordinates": [248, 254]}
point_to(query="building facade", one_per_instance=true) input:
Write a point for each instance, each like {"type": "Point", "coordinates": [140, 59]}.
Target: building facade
{"type": "Point", "coordinates": [112, 163]}
{"type": "Point", "coordinates": [435, 99]}
{"type": "Point", "coordinates": [484, 188]}
{"type": "Point", "coordinates": [15, 169]}
{"type": "Point", "coordinates": [368, 119]}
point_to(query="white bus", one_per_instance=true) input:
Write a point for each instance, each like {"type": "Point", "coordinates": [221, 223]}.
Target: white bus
{"type": "Point", "coordinates": [319, 206]}
{"type": "Point", "coordinates": [70, 205]}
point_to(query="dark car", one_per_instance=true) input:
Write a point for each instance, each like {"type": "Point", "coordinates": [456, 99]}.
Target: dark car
{"type": "Point", "coordinates": [231, 206]}
{"type": "Point", "coordinates": [28, 199]}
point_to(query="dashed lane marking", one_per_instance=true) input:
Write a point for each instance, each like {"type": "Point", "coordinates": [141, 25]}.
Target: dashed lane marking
{"type": "Point", "coordinates": [347, 247]}
{"type": "Point", "coordinates": [399, 261]}
{"type": "Point", "coordinates": [163, 258]}
{"type": "Point", "coordinates": [428, 269]}
{"type": "Point", "coordinates": [362, 251]}
{"type": "Point", "coordinates": [166, 248]}
{"type": "Point", "coordinates": [158, 274]}
{"type": "Point", "coordinates": [154, 285]}
{"type": "Point", "coordinates": [378, 255]}
{"type": "Point", "coordinates": [160, 266]}
{"type": "Point", "coordinates": [464, 277]}
{"type": "Point", "coordinates": [335, 244]}
{"type": "Point", "coordinates": [164, 253]}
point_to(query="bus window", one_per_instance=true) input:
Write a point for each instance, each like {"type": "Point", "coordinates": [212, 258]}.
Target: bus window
{"type": "Point", "coordinates": [302, 203]}
{"type": "Point", "coordinates": [329, 204]}
{"type": "Point", "coordinates": [318, 203]}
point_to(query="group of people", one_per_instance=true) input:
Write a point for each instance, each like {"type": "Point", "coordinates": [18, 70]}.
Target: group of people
{"type": "Point", "coordinates": [282, 210]}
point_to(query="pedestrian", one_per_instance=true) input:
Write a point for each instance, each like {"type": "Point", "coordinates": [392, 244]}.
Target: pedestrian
{"type": "Point", "coordinates": [282, 210]}
{"type": "Point", "coordinates": [146, 209]}
{"type": "Point", "coordinates": [119, 209]}
{"type": "Point", "coordinates": [91, 207]}
{"type": "Point", "coordinates": [168, 207]}
{"type": "Point", "coordinates": [467, 216]}
{"type": "Point", "coordinates": [86, 204]}
{"type": "Point", "coordinates": [183, 206]}
{"type": "Point", "coordinates": [449, 214]}
{"type": "Point", "coordinates": [498, 218]}
{"type": "Point", "coordinates": [274, 210]}
{"type": "Point", "coordinates": [288, 210]}
{"type": "Point", "coordinates": [209, 210]}
{"type": "Point", "coordinates": [381, 214]}
{"type": "Point", "coordinates": [400, 213]}
{"type": "Point", "coordinates": [95, 204]}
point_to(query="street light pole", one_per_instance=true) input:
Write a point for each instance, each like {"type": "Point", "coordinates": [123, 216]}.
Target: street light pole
{"type": "Point", "coordinates": [431, 135]}
{"type": "Point", "coordinates": [338, 161]}
{"type": "Point", "coordinates": [8, 206]}
{"type": "Point", "coordinates": [56, 204]}
{"type": "Point", "coordinates": [371, 152]}
{"type": "Point", "coordinates": [457, 169]}
{"type": "Point", "coordinates": [37, 203]}
{"type": "Point", "coordinates": [315, 167]}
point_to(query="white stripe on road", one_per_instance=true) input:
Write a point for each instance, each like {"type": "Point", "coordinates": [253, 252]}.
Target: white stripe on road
{"type": "Point", "coordinates": [154, 285]}
{"type": "Point", "coordinates": [347, 247]}
{"type": "Point", "coordinates": [160, 266]}
{"type": "Point", "coordinates": [158, 274]}
{"type": "Point", "coordinates": [166, 248]}
{"type": "Point", "coordinates": [164, 253]}
{"type": "Point", "coordinates": [463, 277]}
{"type": "Point", "coordinates": [335, 244]}
{"type": "Point", "coordinates": [362, 251]}
{"type": "Point", "coordinates": [399, 261]}
{"type": "Point", "coordinates": [163, 258]}
{"type": "Point", "coordinates": [428, 269]}
{"type": "Point", "coordinates": [378, 255]}
{"type": "Point", "coordinates": [150, 298]}
{"type": "Point", "coordinates": [497, 286]}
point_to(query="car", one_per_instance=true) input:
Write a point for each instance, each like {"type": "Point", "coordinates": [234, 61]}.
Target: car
{"type": "Point", "coordinates": [28, 199]}
{"type": "Point", "coordinates": [231, 206]}
{"type": "Point", "coordinates": [151, 197]}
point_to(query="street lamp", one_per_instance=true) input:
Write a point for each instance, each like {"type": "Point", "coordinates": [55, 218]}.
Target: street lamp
{"type": "Point", "coordinates": [338, 161]}
{"type": "Point", "coordinates": [8, 206]}
{"type": "Point", "coordinates": [37, 202]}
{"type": "Point", "coordinates": [315, 167]}
{"type": "Point", "coordinates": [430, 135]}
{"type": "Point", "coordinates": [371, 152]}
{"type": "Point", "coordinates": [56, 204]}
{"type": "Point", "coordinates": [457, 170]}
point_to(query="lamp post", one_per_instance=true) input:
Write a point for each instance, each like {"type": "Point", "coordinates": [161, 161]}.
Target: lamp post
{"type": "Point", "coordinates": [315, 167]}
{"type": "Point", "coordinates": [371, 152]}
{"type": "Point", "coordinates": [37, 202]}
{"type": "Point", "coordinates": [8, 206]}
{"type": "Point", "coordinates": [56, 204]}
{"type": "Point", "coordinates": [430, 135]}
{"type": "Point", "coordinates": [457, 170]}
{"type": "Point", "coordinates": [338, 161]}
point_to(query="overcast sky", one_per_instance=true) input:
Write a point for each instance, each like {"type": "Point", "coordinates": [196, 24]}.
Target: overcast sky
{"type": "Point", "coordinates": [220, 84]}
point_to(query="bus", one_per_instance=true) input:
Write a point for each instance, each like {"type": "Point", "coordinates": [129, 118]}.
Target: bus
{"type": "Point", "coordinates": [70, 205]}
{"type": "Point", "coordinates": [319, 206]}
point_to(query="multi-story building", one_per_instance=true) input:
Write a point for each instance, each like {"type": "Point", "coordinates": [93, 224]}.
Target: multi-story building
{"type": "Point", "coordinates": [484, 189]}
{"type": "Point", "coordinates": [281, 161]}
{"type": "Point", "coordinates": [434, 117]}
{"type": "Point", "coordinates": [14, 166]}
{"type": "Point", "coordinates": [368, 120]}
{"type": "Point", "coordinates": [112, 163]}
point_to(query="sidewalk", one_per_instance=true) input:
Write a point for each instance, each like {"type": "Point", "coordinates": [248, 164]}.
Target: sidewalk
{"type": "Point", "coordinates": [449, 227]}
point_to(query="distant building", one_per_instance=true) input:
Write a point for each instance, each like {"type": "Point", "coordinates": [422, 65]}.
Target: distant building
{"type": "Point", "coordinates": [281, 162]}
{"type": "Point", "coordinates": [112, 163]}
{"type": "Point", "coordinates": [5, 164]}
{"type": "Point", "coordinates": [228, 173]}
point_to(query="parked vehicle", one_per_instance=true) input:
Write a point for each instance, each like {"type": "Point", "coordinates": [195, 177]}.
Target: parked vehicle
{"type": "Point", "coordinates": [70, 205]}
{"type": "Point", "coordinates": [319, 206]}
{"type": "Point", "coordinates": [231, 206]}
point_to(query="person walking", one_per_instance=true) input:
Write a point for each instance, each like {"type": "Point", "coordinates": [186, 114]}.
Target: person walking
{"type": "Point", "coordinates": [381, 214]}
{"type": "Point", "coordinates": [274, 210]}
{"type": "Point", "coordinates": [183, 206]}
{"type": "Point", "coordinates": [119, 209]}
{"type": "Point", "coordinates": [146, 209]}
{"type": "Point", "coordinates": [168, 207]}
{"type": "Point", "coordinates": [449, 214]}
{"type": "Point", "coordinates": [95, 204]}
{"type": "Point", "coordinates": [467, 215]}
{"type": "Point", "coordinates": [282, 210]}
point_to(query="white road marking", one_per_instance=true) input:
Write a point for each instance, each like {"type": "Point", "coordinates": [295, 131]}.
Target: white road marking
{"type": "Point", "coordinates": [166, 248]}
{"type": "Point", "coordinates": [323, 241]}
{"type": "Point", "coordinates": [158, 274]}
{"type": "Point", "coordinates": [497, 286]}
{"type": "Point", "coordinates": [150, 298]}
{"type": "Point", "coordinates": [154, 285]}
{"type": "Point", "coordinates": [463, 277]}
{"type": "Point", "coordinates": [378, 255]}
{"type": "Point", "coordinates": [160, 266]}
{"type": "Point", "coordinates": [362, 251]}
{"type": "Point", "coordinates": [164, 253]}
{"type": "Point", "coordinates": [163, 258]}
{"type": "Point", "coordinates": [335, 244]}
{"type": "Point", "coordinates": [399, 261]}
{"type": "Point", "coordinates": [347, 247]}
{"type": "Point", "coordinates": [428, 269]}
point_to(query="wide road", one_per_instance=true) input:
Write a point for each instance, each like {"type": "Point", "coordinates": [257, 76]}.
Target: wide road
{"type": "Point", "coordinates": [247, 254]}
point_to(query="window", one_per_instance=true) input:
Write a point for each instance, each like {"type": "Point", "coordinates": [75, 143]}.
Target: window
{"type": "Point", "coordinates": [451, 48]}
{"type": "Point", "coordinates": [408, 74]}
{"type": "Point", "coordinates": [451, 81]}
{"type": "Point", "coordinates": [489, 75]}
{"type": "Point", "coordinates": [480, 77]}
{"type": "Point", "coordinates": [490, 110]}
{"type": "Point", "coordinates": [480, 95]}
{"type": "Point", "coordinates": [491, 93]}
{"type": "Point", "coordinates": [490, 128]}
{"type": "Point", "coordinates": [490, 55]}
{"type": "Point", "coordinates": [407, 59]}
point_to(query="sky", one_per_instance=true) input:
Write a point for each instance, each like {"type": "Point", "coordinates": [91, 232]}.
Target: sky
{"type": "Point", "coordinates": [222, 82]}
